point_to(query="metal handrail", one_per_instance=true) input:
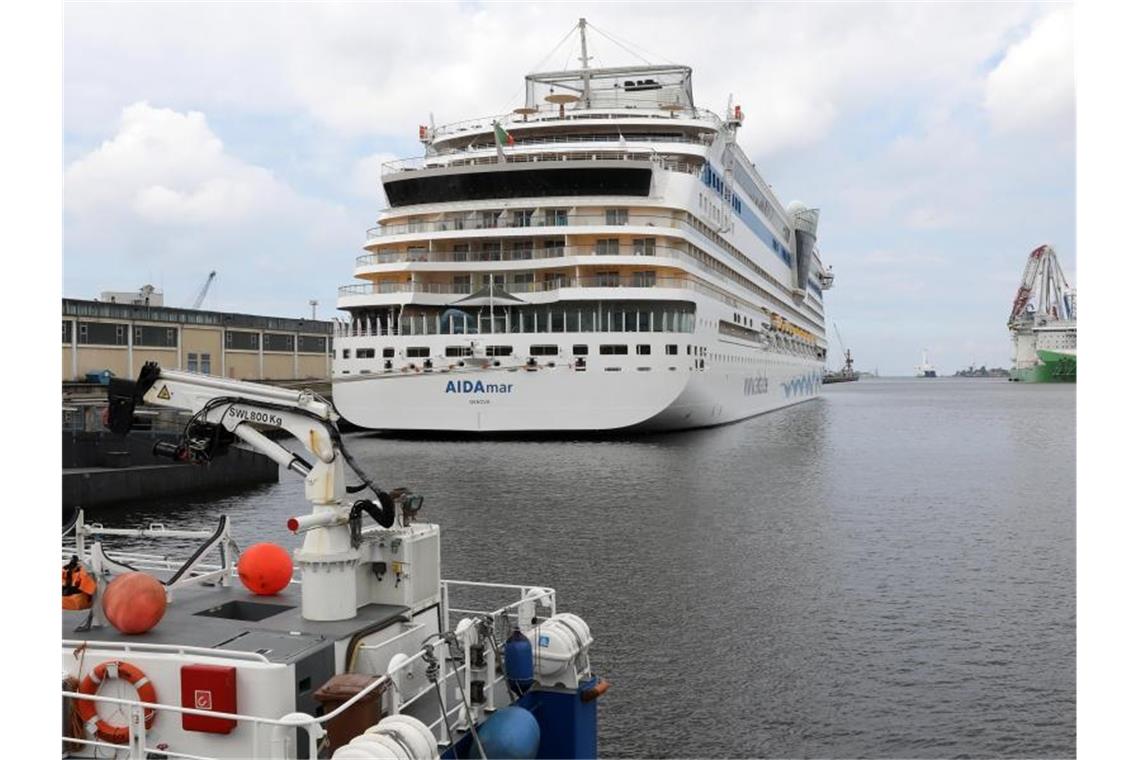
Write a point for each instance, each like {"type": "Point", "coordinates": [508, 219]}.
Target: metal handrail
{"type": "Point", "coordinates": [488, 157]}
{"type": "Point", "coordinates": [511, 254]}
{"type": "Point", "coordinates": [572, 220]}
{"type": "Point", "coordinates": [551, 114]}
{"type": "Point", "coordinates": [444, 288]}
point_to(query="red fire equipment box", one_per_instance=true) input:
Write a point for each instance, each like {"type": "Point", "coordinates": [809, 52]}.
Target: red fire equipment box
{"type": "Point", "coordinates": [209, 687]}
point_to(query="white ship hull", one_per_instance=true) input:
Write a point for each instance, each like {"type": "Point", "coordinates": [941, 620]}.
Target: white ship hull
{"type": "Point", "coordinates": [643, 396]}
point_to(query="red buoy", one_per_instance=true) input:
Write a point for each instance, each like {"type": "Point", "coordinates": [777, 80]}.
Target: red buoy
{"type": "Point", "coordinates": [265, 568]}
{"type": "Point", "coordinates": [134, 602]}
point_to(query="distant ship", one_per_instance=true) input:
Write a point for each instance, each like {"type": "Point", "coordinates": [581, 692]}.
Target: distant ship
{"type": "Point", "coordinates": [848, 373]}
{"type": "Point", "coordinates": [1043, 322]}
{"type": "Point", "coordinates": [926, 369]}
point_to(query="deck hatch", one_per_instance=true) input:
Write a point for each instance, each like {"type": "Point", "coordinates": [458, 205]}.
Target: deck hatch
{"type": "Point", "coordinates": [247, 611]}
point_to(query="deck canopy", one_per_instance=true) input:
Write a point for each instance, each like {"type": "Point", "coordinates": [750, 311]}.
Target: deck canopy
{"type": "Point", "coordinates": [621, 87]}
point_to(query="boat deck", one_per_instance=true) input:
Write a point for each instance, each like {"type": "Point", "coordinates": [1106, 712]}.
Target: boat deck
{"type": "Point", "coordinates": [232, 618]}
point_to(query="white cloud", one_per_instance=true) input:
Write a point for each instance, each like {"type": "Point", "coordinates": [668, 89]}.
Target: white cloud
{"type": "Point", "coordinates": [378, 69]}
{"type": "Point", "coordinates": [365, 177]}
{"type": "Point", "coordinates": [163, 196]}
{"type": "Point", "coordinates": [167, 167]}
{"type": "Point", "coordinates": [1033, 86]}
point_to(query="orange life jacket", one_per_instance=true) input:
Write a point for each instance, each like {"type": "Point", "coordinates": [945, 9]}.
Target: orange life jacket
{"type": "Point", "coordinates": [78, 586]}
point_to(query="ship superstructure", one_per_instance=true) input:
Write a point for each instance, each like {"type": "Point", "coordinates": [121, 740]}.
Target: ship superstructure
{"type": "Point", "coordinates": [603, 257]}
{"type": "Point", "coordinates": [925, 369]}
{"type": "Point", "coordinates": [1043, 322]}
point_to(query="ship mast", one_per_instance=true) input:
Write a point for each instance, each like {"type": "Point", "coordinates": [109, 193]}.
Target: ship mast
{"type": "Point", "coordinates": [585, 62]}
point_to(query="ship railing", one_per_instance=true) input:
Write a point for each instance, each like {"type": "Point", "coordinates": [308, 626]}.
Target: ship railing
{"type": "Point", "coordinates": [517, 254]}
{"type": "Point", "coordinates": [507, 221]}
{"type": "Point", "coordinates": [551, 113]}
{"type": "Point", "coordinates": [456, 713]}
{"type": "Point", "coordinates": [282, 731]}
{"type": "Point", "coordinates": [511, 254]}
{"type": "Point", "coordinates": [513, 155]}
{"type": "Point", "coordinates": [648, 280]}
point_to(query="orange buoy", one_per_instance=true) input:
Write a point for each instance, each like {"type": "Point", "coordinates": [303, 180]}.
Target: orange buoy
{"type": "Point", "coordinates": [265, 568]}
{"type": "Point", "coordinates": [134, 602]}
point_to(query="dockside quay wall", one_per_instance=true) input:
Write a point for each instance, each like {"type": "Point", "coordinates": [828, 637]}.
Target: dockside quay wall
{"type": "Point", "coordinates": [101, 469]}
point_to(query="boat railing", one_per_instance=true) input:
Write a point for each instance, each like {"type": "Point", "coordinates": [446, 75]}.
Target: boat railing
{"type": "Point", "coordinates": [516, 254]}
{"type": "Point", "coordinates": [474, 221]}
{"type": "Point", "coordinates": [282, 730]}
{"type": "Point", "coordinates": [549, 113]}
{"type": "Point", "coordinates": [516, 155]}
{"type": "Point", "coordinates": [646, 280]}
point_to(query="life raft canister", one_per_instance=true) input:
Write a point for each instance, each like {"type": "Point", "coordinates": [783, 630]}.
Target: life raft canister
{"type": "Point", "coordinates": [86, 707]}
{"type": "Point", "coordinates": [78, 586]}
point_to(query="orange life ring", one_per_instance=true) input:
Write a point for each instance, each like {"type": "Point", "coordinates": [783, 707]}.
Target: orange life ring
{"type": "Point", "coordinates": [86, 707]}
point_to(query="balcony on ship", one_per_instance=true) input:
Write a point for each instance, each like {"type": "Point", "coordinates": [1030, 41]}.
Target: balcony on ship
{"type": "Point", "coordinates": [481, 314]}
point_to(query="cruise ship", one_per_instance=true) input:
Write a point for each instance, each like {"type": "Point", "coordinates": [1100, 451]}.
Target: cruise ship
{"type": "Point", "coordinates": [603, 257]}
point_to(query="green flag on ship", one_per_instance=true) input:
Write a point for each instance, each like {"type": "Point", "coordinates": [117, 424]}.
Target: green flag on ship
{"type": "Point", "coordinates": [502, 138]}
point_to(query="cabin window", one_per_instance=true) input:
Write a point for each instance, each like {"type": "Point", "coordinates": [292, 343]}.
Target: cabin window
{"type": "Point", "coordinates": [644, 279]}
{"type": "Point", "coordinates": [644, 246]}
{"type": "Point", "coordinates": [457, 351]}
{"type": "Point", "coordinates": [500, 350]}
{"type": "Point", "coordinates": [617, 216]}
{"type": "Point", "coordinates": [520, 219]}
{"type": "Point", "coordinates": [606, 247]}
{"type": "Point", "coordinates": [544, 350]}
{"type": "Point", "coordinates": [581, 350]}
{"type": "Point", "coordinates": [389, 352]}
{"type": "Point", "coordinates": [345, 353]}
{"type": "Point", "coordinates": [643, 349]}
{"type": "Point", "coordinates": [671, 349]}
{"type": "Point", "coordinates": [418, 352]}
{"type": "Point", "coordinates": [363, 353]}
{"type": "Point", "coordinates": [608, 279]}
{"type": "Point", "coordinates": [613, 348]}
{"type": "Point", "coordinates": [556, 217]}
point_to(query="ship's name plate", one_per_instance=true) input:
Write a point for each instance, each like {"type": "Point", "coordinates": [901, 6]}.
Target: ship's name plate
{"type": "Point", "coordinates": [477, 386]}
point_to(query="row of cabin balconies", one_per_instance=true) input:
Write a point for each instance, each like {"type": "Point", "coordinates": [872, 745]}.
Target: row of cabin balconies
{"type": "Point", "coordinates": [516, 254]}
{"type": "Point", "coordinates": [515, 250]}
{"type": "Point", "coordinates": [445, 230]}
{"type": "Point", "coordinates": [477, 221]}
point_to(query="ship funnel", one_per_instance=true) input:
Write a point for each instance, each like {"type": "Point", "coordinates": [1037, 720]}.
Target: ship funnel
{"type": "Point", "coordinates": [806, 221]}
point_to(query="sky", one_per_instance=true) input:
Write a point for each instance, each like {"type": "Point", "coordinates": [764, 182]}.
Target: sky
{"type": "Point", "coordinates": [937, 140]}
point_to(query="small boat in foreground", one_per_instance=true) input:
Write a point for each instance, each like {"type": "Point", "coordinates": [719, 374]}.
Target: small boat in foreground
{"type": "Point", "coordinates": [352, 647]}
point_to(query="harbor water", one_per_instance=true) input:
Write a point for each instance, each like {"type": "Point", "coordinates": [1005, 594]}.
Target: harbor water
{"type": "Point", "coordinates": [888, 571]}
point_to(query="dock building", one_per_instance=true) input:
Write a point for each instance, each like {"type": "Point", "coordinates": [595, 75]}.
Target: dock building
{"type": "Point", "coordinates": [121, 337]}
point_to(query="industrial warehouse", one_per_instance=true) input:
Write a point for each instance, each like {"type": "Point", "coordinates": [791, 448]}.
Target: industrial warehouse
{"type": "Point", "coordinates": [119, 335]}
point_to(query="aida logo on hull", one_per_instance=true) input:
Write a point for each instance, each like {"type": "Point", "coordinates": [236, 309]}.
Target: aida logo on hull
{"type": "Point", "coordinates": [755, 386]}
{"type": "Point", "coordinates": [477, 386]}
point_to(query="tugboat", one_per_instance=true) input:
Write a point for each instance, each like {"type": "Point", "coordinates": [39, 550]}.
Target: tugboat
{"type": "Point", "coordinates": [352, 646]}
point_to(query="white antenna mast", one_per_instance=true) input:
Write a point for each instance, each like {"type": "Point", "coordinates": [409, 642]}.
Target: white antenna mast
{"type": "Point", "coordinates": [585, 58]}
